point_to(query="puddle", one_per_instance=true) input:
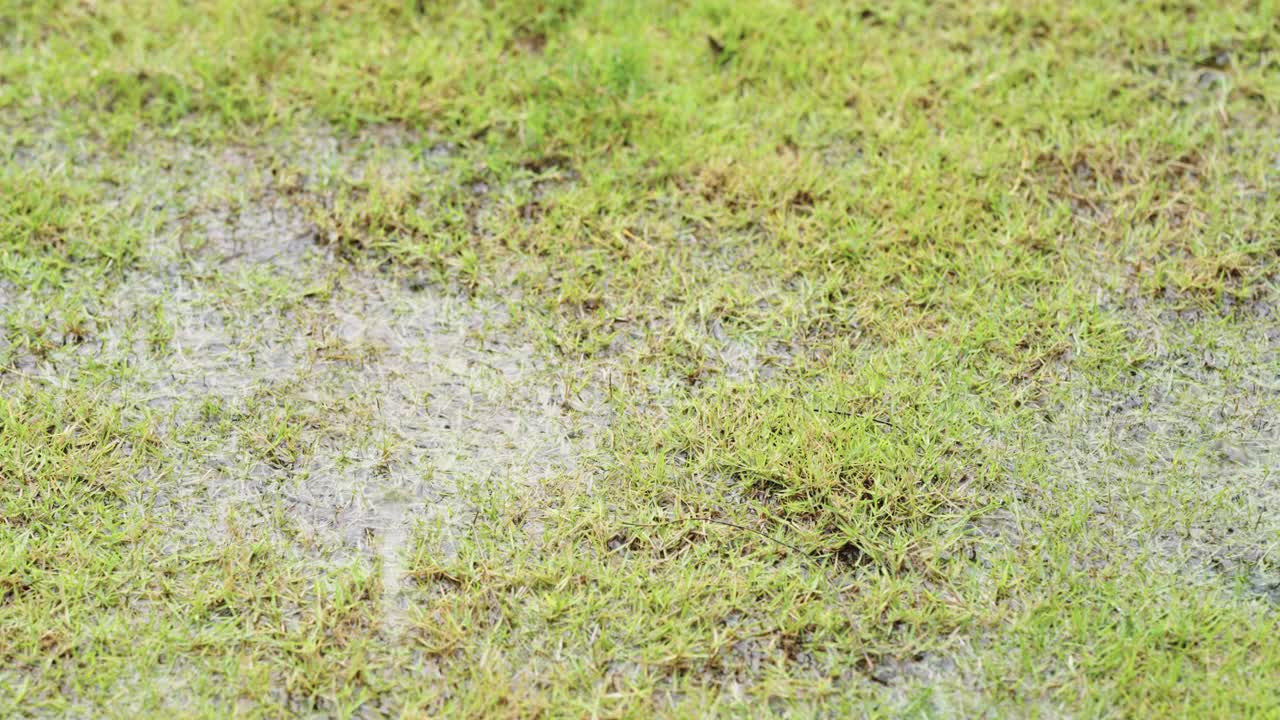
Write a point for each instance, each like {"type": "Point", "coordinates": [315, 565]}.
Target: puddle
{"type": "Point", "coordinates": [1178, 460]}
{"type": "Point", "coordinates": [329, 404]}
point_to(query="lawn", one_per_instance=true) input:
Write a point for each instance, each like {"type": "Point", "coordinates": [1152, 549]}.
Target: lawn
{"type": "Point", "coordinates": [558, 358]}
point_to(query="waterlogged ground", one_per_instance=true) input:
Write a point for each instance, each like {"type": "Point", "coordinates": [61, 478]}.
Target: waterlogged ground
{"type": "Point", "coordinates": [323, 401]}
{"type": "Point", "coordinates": [624, 360]}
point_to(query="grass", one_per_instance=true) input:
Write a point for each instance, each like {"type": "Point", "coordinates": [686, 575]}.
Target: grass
{"type": "Point", "coordinates": [751, 358]}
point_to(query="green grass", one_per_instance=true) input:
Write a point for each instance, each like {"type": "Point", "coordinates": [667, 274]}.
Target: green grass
{"type": "Point", "coordinates": [922, 357]}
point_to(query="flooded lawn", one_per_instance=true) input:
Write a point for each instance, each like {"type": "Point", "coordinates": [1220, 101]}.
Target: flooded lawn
{"type": "Point", "coordinates": [628, 359]}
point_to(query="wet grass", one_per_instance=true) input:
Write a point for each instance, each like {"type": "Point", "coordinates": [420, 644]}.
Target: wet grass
{"type": "Point", "coordinates": [622, 358]}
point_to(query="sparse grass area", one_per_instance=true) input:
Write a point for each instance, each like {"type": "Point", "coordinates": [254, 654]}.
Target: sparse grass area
{"type": "Point", "coordinates": [623, 359]}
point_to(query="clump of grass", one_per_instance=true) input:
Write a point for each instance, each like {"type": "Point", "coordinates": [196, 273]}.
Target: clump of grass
{"type": "Point", "coordinates": [50, 225]}
{"type": "Point", "coordinates": [862, 487]}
